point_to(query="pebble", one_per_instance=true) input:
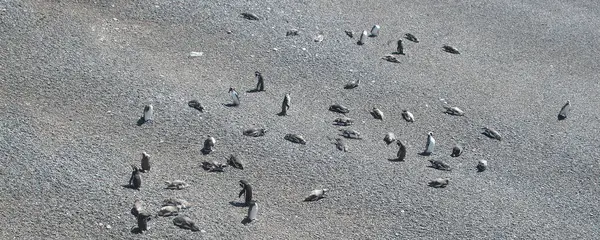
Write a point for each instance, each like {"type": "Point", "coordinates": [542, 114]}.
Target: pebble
{"type": "Point", "coordinates": [196, 54]}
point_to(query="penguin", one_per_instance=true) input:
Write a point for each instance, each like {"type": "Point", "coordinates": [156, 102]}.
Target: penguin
{"type": "Point", "coordinates": [377, 113]}
{"type": "Point", "coordinates": [408, 116]}
{"type": "Point", "coordinates": [389, 138]}
{"type": "Point", "coordinates": [319, 38]}
{"type": "Point", "coordinates": [439, 165]}
{"type": "Point", "coordinates": [213, 166]}
{"type": "Point", "coordinates": [390, 58]}
{"type": "Point", "coordinates": [375, 31]}
{"type": "Point", "coordinates": [135, 181]}
{"type": "Point", "coordinates": [411, 38]}
{"type": "Point", "coordinates": [209, 144]}
{"type": "Point", "coordinates": [145, 162]}
{"type": "Point", "coordinates": [454, 111]}
{"type": "Point", "coordinates": [456, 151]}
{"type": "Point", "coordinates": [339, 108]}
{"type": "Point", "coordinates": [235, 162]}
{"type": "Point", "coordinates": [196, 105]}
{"type": "Point", "coordinates": [439, 182]}
{"type": "Point", "coordinates": [142, 222]}
{"type": "Point", "coordinates": [234, 96]}
{"type": "Point", "coordinates": [178, 203]}
{"type": "Point", "coordinates": [315, 195]}
{"type": "Point", "coordinates": [148, 113]}
{"type": "Point", "coordinates": [185, 222]}
{"type": "Point", "coordinates": [482, 165]}
{"type": "Point", "coordinates": [285, 106]}
{"type": "Point", "coordinates": [564, 111]}
{"type": "Point", "coordinates": [260, 85]}
{"type": "Point", "coordinates": [352, 85]}
{"type": "Point", "coordinates": [340, 144]}
{"type": "Point", "coordinates": [295, 138]}
{"type": "Point", "coordinates": [349, 133]}
{"type": "Point", "coordinates": [343, 121]}
{"type": "Point", "coordinates": [363, 38]}
{"type": "Point", "coordinates": [450, 49]}
{"type": "Point", "coordinates": [492, 133]}
{"type": "Point", "coordinates": [399, 48]}
{"type": "Point", "coordinates": [401, 155]}
{"type": "Point", "coordinates": [430, 144]}
{"type": "Point", "coordinates": [137, 207]}
{"type": "Point", "coordinates": [168, 210]}
{"type": "Point", "coordinates": [349, 33]}
{"type": "Point", "coordinates": [255, 132]}
{"type": "Point", "coordinates": [250, 16]}
{"type": "Point", "coordinates": [176, 185]}
{"type": "Point", "coordinates": [247, 191]}
{"type": "Point", "coordinates": [252, 213]}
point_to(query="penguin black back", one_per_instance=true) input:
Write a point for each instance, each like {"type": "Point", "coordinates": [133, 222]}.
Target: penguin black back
{"type": "Point", "coordinates": [260, 85]}
{"type": "Point", "coordinates": [135, 181]}
{"type": "Point", "coordinates": [247, 191]}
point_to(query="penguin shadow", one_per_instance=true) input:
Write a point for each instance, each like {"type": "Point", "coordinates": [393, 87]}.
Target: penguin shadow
{"type": "Point", "coordinates": [424, 154]}
{"type": "Point", "coordinates": [399, 53]}
{"type": "Point", "coordinates": [237, 204]}
{"type": "Point", "coordinates": [282, 114]}
{"type": "Point", "coordinates": [129, 186]}
{"type": "Point", "coordinates": [141, 121]}
{"type": "Point", "coordinates": [359, 43]}
{"type": "Point", "coordinates": [136, 230]}
{"type": "Point", "coordinates": [395, 160]}
{"type": "Point", "coordinates": [254, 90]}
{"type": "Point", "coordinates": [230, 105]}
{"type": "Point", "coordinates": [560, 117]}
{"type": "Point", "coordinates": [246, 221]}
{"type": "Point", "coordinates": [205, 151]}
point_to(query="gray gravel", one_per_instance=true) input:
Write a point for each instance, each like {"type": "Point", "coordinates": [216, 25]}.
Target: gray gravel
{"type": "Point", "coordinates": [74, 78]}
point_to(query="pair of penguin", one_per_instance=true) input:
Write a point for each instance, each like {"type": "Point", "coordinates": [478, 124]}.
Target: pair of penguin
{"type": "Point", "coordinates": [252, 205]}
{"type": "Point", "coordinates": [260, 86]}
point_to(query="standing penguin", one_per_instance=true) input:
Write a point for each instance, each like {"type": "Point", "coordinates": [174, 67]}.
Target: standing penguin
{"type": "Point", "coordinates": [135, 181]}
{"type": "Point", "coordinates": [148, 113]}
{"type": "Point", "coordinates": [252, 213]}
{"type": "Point", "coordinates": [260, 85]}
{"type": "Point", "coordinates": [145, 162]}
{"type": "Point", "coordinates": [234, 96]}
{"type": "Point", "coordinates": [209, 143]}
{"type": "Point", "coordinates": [401, 151]}
{"type": "Point", "coordinates": [375, 31]}
{"type": "Point", "coordinates": [285, 105]}
{"type": "Point", "coordinates": [399, 48]}
{"type": "Point", "coordinates": [363, 38]}
{"type": "Point", "coordinates": [247, 191]}
{"type": "Point", "coordinates": [564, 111]}
{"type": "Point", "coordinates": [142, 221]}
{"type": "Point", "coordinates": [430, 144]}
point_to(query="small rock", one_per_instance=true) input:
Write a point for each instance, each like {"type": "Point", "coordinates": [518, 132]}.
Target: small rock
{"type": "Point", "coordinates": [203, 231]}
{"type": "Point", "coordinates": [319, 38]}
{"type": "Point", "coordinates": [108, 226]}
{"type": "Point", "coordinates": [196, 54]}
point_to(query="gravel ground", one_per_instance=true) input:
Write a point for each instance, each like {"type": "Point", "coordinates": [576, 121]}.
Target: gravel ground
{"type": "Point", "coordinates": [75, 78]}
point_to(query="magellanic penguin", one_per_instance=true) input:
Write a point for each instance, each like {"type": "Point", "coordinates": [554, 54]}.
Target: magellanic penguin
{"type": "Point", "coordinates": [339, 108]}
{"type": "Point", "coordinates": [145, 162]}
{"type": "Point", "coordinates": [482, 165]}
{"type": "Point", "coordinates": [399, 48]}
{"type": "Point", "coordinates": [375, 31]}
{"type": "Point", "coordinates": [450, 49]}
{"type": "Point", "coordinates": [492, 133]}
{"type": "Point", "coordinates": [185, 222]}
{"type": "Point", "coordinates": [195, 104]}
{"type": "Point", "coordinates": [295, 138]}
{"type": "Point", "coordinates": [456, 151]}
{"type": "Point", "coordinates": [135, 181]}
{"type": "Point", "coordinates": [341, 145]}
{"type": "Point", "coordinates": [408, 116]}
{"type": "Point", "coordinates": [389, 138]}
{"type": "Point", "coordinates": [178, 203]}
{"type": "Point", "coordinates": [390, 58]}
{"type": "Point", "coordinates": [438, 164]}
{"type": "Point", "coordinates": [343, 121]}
{"type": "Point", "coordinates": [137, 207]}
{"type": "Point", "coordinates": [430, 144]}
{"type": "Point", "coordinates": [247, 191]}
{"type": "Point", "coordinates": [315, 195]}
{"type": "Point", "coordinates": [377, 113]}
{"type": "Point", "coordinates": [454, 111]}
{"type": "Point", "coordinates": [213, 166]}
{"type": "Point", "coordinates": [411, 38]}
{"type": "Point", "coordinates": [350, 133]}
{"type": "Point", "coordinates": [363, 38]}
{"type": "Point", "coordinates": [235, 162]}
{"type": "Point", "coordinates": [142, 221]}
{"type": "Point", "coordinates": [353, 84]}
{"type": "Point", "coordinates": [349, 33]}
{"type": "Point", "coordinates": [168, 210]}
{"type": "Point", "coordinates": [252, 213]}
{"type": "Point", "coordinates": [255, 132]}
{"type": "Point", "coordinates": [209, 144]}
{"type": "Point", "coordinates": [401, 155]}
{"type": "Point", "coordinates": [176, 185]}
{"type": "Point", "coordinates": [260, 85]}
{"type": "Point", "coordinates": [285, 105]}
{"type": "Point", "coordinates": [148, 113]}
{"type": "Point", "coordinates": [564, 111]}
{"type": "Point", "coordinates": [234, 96]}
{"type": "Point", "coordinates": [439, 182]}
{"type": "Point", "coordinates": [250, 16]}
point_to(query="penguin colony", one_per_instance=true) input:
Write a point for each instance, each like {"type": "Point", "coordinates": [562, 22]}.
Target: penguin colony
{"type": "Point", "coordinates": [173, 207]}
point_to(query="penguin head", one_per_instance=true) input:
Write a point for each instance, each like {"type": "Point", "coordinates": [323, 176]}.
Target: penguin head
{"type": "Point", "coordinates": [257, 73]}
{"type": "Point", "coordinates": [430, 134]}
{"type": "Point", "coordinates": [243, 183]}
{"type": "Point", "coordinates": [325, 190]}
{"type": "Point", "coordinates": [231, 89]}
